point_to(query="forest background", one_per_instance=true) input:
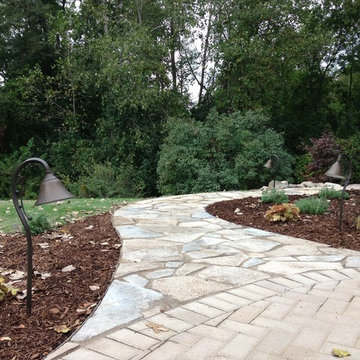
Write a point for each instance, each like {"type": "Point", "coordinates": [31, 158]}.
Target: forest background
{"type": "Point", "coordinates": [103, 90]}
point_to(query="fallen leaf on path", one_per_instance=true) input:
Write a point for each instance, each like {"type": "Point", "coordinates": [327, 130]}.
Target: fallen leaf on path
{"type": "Point", "coordinates": [340, 353]}
{"type": "Point", "coordinates": [156, 327]}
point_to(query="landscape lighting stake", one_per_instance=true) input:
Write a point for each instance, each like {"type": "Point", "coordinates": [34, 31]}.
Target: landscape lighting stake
{"type": "Point", "coordinates": [273, 162]}
{"type": "Point", "coordinates": [51, 189]}
{"type": "Point", "coordinates": [336, 171]}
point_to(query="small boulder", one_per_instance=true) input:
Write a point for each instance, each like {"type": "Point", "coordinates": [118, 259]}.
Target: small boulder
{"type": "Point", "coordinates": [308, 184]}
{"type": "Point", "coordinates": [278, 184]}
{"type": "Point", "coordinates": [331, 185]}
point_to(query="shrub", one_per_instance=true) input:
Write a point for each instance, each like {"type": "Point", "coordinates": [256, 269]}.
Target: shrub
{"type": "Point", "coordinates": [323, 152]}
{"type": "Point", "coordinates": [282, 212]}
{"type": "Point", "coordinates": [274, 196]}
{"type": "Point", "coordinates": [301, 168]}
{"type": "Point", "coordinates": [329, 193]}
{"type": "Point", "coordinates": [351, 147]}
{"type": "Point", "coordinates": [39, 225]}
{"type": "Point", "coordinates": [226, 152]}
{"type": "Point", "coordinates": [312, 205]}
{"type": "Point", "coordinates": [9, 162]}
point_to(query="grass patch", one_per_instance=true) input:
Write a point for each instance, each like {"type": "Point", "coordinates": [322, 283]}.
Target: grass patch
{"type": "Point", "coordinates": [329, 193]}
{"type": "Point", "coordinates": [312, 205]}
{"type": "Point", "coordinates": [57, 214]}
{"type": "Point", "coordinates": [274, 197]}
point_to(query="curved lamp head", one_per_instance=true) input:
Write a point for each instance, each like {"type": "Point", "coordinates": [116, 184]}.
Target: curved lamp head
{"type": "Point", "coordinates": [51, 190]}
{"type": "Point", "coordinates": [269, 164]}
{"type": "Point", "coordinates": [336, 170]}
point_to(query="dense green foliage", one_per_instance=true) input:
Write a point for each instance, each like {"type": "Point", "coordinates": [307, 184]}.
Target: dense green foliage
{"type": "Point", "coordinates": [312, 205]}
{"type": "Point", "coordinates": [224, 153]}
{"type": "Point", "coordinates": [101, 90]}
{"type": "Point", "coordinates": [274, 196]}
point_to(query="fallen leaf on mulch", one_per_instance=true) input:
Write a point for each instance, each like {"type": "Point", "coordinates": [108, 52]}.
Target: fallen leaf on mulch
{"type": "Point", "coordinates": [54, 311]}
{"type": "Point", "coordinates": [62, 329]}
{"type": "Point", "coordinates": [340, 353]}
{"type": "Point", "coordinates": [68, 268]}
{"type": "Point", "coordinates": [156, 327]}
{"type": "Point", "coordinates": [5, 338]}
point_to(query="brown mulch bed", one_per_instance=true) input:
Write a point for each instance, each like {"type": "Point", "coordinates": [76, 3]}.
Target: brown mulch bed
{"type": "Point", "coordinates": [60, 299]}
{"type": "Point", "coordinates": [319, 228]}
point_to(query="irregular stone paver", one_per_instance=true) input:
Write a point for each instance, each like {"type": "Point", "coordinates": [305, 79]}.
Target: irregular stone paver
{"type": "Point", "coordinates": [217, 290]}
{"type": "Point", "coordinates": [122, 303]}
{"type": "Point", "coordinates": [185, 288]}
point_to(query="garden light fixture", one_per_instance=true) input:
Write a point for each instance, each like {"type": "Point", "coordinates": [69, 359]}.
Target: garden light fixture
{"type": "Point", "coordinates": [51, 190]}
{"type": "Point", "coordinates": [336, 171]}
{"type": "Point", "coordinates": [273, 163]}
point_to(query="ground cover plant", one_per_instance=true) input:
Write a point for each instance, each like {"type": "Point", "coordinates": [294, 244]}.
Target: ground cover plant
{"type": "Point", "coordinates": [312, 205]}
{"type": "Point", "coordinates": [274, 196]}
{"type": "Point", "coordinates": [330, 193]}
{"type": "Point", "coordinates": [321, 228]}
{"type": "Point", "coordinates": [283, 212]}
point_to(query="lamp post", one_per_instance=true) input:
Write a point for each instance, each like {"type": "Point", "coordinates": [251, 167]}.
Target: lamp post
{"type": "Point", "coordinates": [51, 189]}
{"type": "Point", "coordinates": [336, 171]}
{"type": "Point", "coordinates": [273, 163]}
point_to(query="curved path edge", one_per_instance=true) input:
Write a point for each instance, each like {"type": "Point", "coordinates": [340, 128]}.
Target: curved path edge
{"type": "Point", "coordinates": [192, 286]}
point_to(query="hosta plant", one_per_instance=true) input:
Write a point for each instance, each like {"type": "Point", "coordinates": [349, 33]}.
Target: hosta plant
{"type": "Point", "coordinates": [283, 212]}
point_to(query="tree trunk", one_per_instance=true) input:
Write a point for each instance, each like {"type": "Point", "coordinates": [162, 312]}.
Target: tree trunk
{"type": "Point", "coordinates": [172, 54]}
{"type": "Point", "coordinates": [205, 54]}
{"type": "Point", "coordinates": [105, 17]}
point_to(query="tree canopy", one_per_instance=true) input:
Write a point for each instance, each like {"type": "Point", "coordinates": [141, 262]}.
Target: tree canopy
{"type": "Point", "coordinates": [93, 85]}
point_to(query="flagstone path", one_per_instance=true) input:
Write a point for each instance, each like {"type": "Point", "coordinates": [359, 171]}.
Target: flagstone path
{"type": "Point", "coordinates": [192, 286]}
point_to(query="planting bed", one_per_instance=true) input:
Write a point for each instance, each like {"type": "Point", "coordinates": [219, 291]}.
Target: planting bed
{"type": "Point", "coordinates": [90, 249]}
{"type": "Point", "coordinates": [320, 228]}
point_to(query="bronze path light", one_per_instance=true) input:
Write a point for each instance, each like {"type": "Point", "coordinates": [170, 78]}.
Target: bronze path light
{"type": "Point", "coordinates": [337, 171]}
{"type": "Point", "coordinates": [273, 163]}
{"type": "Point", "coordinates": [51, 189]}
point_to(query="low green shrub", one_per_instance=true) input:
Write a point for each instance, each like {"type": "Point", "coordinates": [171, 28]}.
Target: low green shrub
{"type": "Point", "coordinates": [282, 212]}
{"type": "Point", "coordinates": [312, 205]}
{"type": "Point", "coordinates": [329, 193]}
{"type": "Point", "coordinates": [274, 196]}
{"type": "Point", "coordinates": [39, 225]}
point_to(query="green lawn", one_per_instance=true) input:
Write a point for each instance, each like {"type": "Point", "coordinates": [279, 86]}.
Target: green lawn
{"type": "Point", "coordinates": [57, 213]}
